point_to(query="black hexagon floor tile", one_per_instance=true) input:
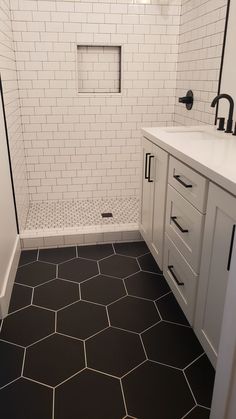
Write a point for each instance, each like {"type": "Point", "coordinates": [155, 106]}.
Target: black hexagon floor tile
{"type": "Point", "coordinates": [82, 320]}
{"type": "Point", "coordinates": [35, 273]}
{"type": "Point", "coordinates": [54, 359]}
{"type": "Point", "coordinates": [20, 297]}
{"type": "Point", "coordinates": [153, 390]}
{"type": "Point", "coordinates": [25, 399]}
{"type": "Point", "coordinates": [148, 263]}
{"type": "Point", "coordinates": [201, 376]}
{"type": "Point", "coordinates": [95, 252]}
{"type": "Point", "coordinates": [147, 285]}
{"type": "Point", "coordinates": [10, 362]}
{"type": "Point", "coordinates": [102, 289]}
{"type": "Point", "coordinates": [160, 340]}
{"type": "Point", "coordinates": [170, 310]}
{"type": "Point", "coordinates": [57, 255]}
{"type": "Point", "coordinates": [78, 270]}
{"type": "Point", "coordinates": [28, 325]}
{"type": "Point", "coordinates": [134, 249]}
{"type": "Point", "coordinates": [133, 313]}
{"type": "Point", "coordinates": [56, 294]}
{"type": "Point", "coordinates": [198, 413]}
{"type": "Point", "coordinates": [118, 266]}
{"type": "Point", "coordinates": [114, 351]}
{"type": "Point", "coordinates": [89, 395]}
{"type": "Point", "coordinates": [28, 256]}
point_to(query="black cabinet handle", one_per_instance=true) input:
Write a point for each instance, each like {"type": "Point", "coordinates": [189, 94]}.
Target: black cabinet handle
{"type": "Point", "coordinates": [149, 169]}
{"type": "Point", "coordinates": [171, 267]}
{"type": "Point", "coordinates": [177, 177]}
{"type": "Point", "coordinates": [231, 247]}
{"type": "Point", "coordinates": [183, 230]}
{"type": "Point", "coordinates": [145, 170]}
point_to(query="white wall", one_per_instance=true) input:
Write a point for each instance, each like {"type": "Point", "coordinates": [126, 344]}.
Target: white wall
{"type": "Point", "coordinates": [11, 98]}
{"type": "Point", "coordinates": [80, 145]}
{"type": "Point", "coordinates": [200, 49]}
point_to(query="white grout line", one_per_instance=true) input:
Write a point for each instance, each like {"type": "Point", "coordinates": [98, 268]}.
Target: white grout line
{"type": "Point", "coordinates": [46, 282]}
{"type": "Point", "coordinates": [53, 403]}
{"type": "Point", "coordinates": [158, 311]}
{"type": "Point", "coordinates": [69, 336]}
{"type": "Point", "coordinates": [133, 369]}
{"type": "Point", "coordinates": [144, 349]}
{"type": "Point", "coordinates": [69, 378]}
{"type": "Point", "coordinates": [55, 322]}
{"type": "Point", "coordinates": [40, 340]}
{"type": "Point", "coordinates": [12, 343]}
{"type": "Point", "coordinates": [43, 308]}
{"type": "Point", "coordinates": [162, 296]}
{"type": "Point", "coordinates": [97, 333]}
{"type": "Point", "coordinates": [204, 407]}
{"type": "Point", "coordinates": [23, 363]}
{"type": "Point", "coordinates": [23, 285]}
{"type": "Point", "coordinates": [150, 327]}
{"type": "Point", "coordinates": [123, 396]}
{"type": "Point", "coordinates": [19, 309]}
{"type": "Point", "coordinates": [109, 322]}
{"type": "Point", "coordinates": [195, 360]}
{"type": "Point", "coordinates": [85, 355]}
{"type": "Point", "coordinates": [186, 415]}
{"type": "Point", "coordinates": [166, 365]}
{"type": "Point", "coordinates": [177, 324]}
{"type": "Point", "coordinates": [191, 391]}
{"type": "Point", "coordinates": [103, 373]}
{"type": "Point", "coordinates": [10, 382]}
{"type": "Point", "coordinates": [37, 382]}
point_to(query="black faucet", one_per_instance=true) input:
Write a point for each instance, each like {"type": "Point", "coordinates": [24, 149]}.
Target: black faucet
{"type": "Point", "coordinates": [231, 109]}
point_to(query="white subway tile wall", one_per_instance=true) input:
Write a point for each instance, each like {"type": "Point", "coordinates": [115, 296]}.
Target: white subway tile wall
{"type": "Point", "coordinates": [98, 69]}
{"type": "Point", "coordinates": [88, 146]}
{"type": "Point", "coordinates": [12, 108]}
{"type": "Point", "coordinates": [200, 50]}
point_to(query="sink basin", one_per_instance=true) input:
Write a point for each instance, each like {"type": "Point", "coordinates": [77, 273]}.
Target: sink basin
{"type": "Point", "coordinates": [191, 133]}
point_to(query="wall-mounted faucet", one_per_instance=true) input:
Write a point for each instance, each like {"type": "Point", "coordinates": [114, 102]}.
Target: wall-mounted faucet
{"type": "Point", "coordinates": [231, 109]}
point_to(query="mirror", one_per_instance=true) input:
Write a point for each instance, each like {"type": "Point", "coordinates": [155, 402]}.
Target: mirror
{"type": "Point", "coordinates": [228, 80]}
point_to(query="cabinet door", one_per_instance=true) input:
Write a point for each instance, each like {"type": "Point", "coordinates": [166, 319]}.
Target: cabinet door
{"type": "Point", "coordinates": [160, 187]}
{"type": "Point", "coordinates": [215, 265]}
{"type": "Point", "coordinates": [147, 191]}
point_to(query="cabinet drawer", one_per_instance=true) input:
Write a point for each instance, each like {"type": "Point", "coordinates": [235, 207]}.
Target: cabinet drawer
{"type": "Point", "coordinates": [181, 279]}
{"type": "Point", "coordinates": [188, 183]}
{"type": "Point", "coordinates": [184, 226]}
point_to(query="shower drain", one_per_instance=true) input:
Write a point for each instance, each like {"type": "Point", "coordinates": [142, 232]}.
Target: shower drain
{"type": "Point", "coordinates": [107, 214]}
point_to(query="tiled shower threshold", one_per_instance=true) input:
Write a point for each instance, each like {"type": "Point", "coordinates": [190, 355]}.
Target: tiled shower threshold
{"type": "Point", "coordinates": [69, 222]}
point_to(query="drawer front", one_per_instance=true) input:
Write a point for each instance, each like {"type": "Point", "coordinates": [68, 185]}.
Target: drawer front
{"type": "Point", "coordinates": [181, 279]}
{"type": "Point", "coordinates": [188, 183]}
{"type": "Point", "coordinates": [184, 226]}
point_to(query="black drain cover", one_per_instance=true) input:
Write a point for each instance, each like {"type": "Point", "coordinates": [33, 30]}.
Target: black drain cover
{"type": "Point", "coordinates": [107, 215]}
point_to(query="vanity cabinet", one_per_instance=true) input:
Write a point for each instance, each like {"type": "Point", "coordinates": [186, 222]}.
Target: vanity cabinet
{"type": "Point", "coordinates": [215, 266]}
{"type": "Point", "coordinates": [153, 199]}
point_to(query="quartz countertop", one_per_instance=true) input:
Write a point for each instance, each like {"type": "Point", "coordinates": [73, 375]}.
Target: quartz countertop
{"type": "Point", "coordinates": [206, 150]}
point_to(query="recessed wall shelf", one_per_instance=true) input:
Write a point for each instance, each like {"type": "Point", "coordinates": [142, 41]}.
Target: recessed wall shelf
{"type": "Point", "coordinates": [99, 69]}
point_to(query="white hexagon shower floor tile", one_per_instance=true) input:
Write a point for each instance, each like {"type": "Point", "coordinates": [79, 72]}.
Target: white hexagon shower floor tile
{"type": "Point", "coordinates": [76, 213]}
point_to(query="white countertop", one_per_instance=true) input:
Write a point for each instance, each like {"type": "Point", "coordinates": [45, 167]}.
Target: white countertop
{"type": "Point", "coordinates": [212, 153]}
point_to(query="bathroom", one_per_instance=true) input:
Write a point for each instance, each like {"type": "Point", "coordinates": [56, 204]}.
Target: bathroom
{"type": "Point", "coordinates": [104, 315]}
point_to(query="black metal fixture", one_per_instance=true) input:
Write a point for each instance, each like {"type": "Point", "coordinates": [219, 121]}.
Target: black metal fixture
{"type": "Point", "coordinates": [183, 230]}
{"type": "Point", "coordinates": [171, 269]}
{"type": "Point", "coordinates": [188, 99]}
{"type": "Point", "coordinates": [147, 169]}
{"type": "Point", "coordinates": [234, 133]}
{"type": "Point", "coordinates": [186, 185]}
{"type": "Point", "coordinates": [231, 109]}
{"type": "Point", "coordinates": [221, 126]}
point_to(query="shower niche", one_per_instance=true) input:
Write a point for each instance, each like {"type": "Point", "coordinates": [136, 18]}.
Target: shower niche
{"type": "Point", "coordinates": [99, 69]}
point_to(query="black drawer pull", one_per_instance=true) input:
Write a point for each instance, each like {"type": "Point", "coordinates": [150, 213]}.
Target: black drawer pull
{"type": "Point", "coordinates": [171, 267]}
{"type": "Point", "coordinates": [149, 169]}
{"type": "Point", "coordinates": [145, 170]}
{"type": "Point", "coordinates": [183, 230]}
{"type": "Point", "coordinates": [231, 247]}
{"type": "Point", "coordinates": [177, 177]}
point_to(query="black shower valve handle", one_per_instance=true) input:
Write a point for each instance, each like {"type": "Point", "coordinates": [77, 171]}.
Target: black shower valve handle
{"type": "Point", "coordinates": [234, 133]}
{"type": "Point", "coordinates": [187, 100]}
